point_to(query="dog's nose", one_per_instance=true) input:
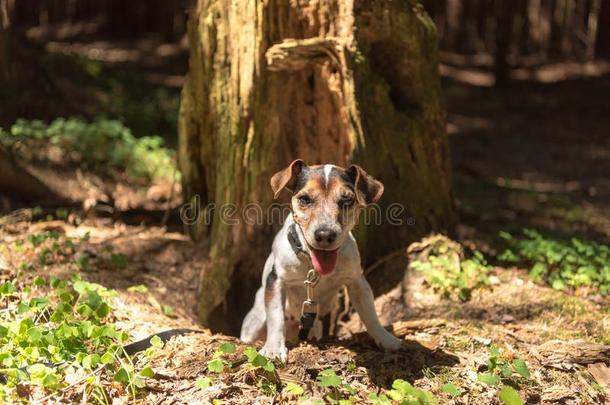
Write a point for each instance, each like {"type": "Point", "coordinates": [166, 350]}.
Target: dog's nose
{"type": "Point", "coordinates": [325, 235]}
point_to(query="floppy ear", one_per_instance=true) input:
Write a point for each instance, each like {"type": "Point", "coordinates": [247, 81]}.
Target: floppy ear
{"type": "Point", "coordinates": [368, 190]}
{"type": "Point", "coordinates": [286, 179]}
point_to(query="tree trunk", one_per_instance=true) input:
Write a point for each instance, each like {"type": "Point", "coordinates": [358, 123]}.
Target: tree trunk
{"type": "Point", "coordinates": [327, 81]}
{"type": "Point", "coordinates": [504, 28]}
{"type": "Point", "coordinates": [6, 9]}
{"type": "Point", "coordinates": [602, 41]}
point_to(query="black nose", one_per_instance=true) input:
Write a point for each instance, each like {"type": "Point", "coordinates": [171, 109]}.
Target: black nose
{"type": "Point", "coordinates": [325, 235]}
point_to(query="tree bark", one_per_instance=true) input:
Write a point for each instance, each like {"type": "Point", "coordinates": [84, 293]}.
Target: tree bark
{"type": "Point", "coordinates": [327, 81]}
{"type": "Point", "coordinates": [504, 28]}
{"type": "Point", "coordinates": [602, 41]}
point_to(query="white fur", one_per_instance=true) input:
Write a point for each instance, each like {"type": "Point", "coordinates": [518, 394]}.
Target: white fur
{"type": "Point", "coordinates": [289, 294]}
{"type": "Point", "coordinates": [327, 170]}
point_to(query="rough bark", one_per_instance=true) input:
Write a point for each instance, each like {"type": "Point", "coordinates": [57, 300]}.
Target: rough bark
{"type": "Point", "coordinates": [327, 81]}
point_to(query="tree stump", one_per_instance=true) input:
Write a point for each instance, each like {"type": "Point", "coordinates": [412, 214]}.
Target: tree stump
{"type": "Point", "coordinates": [328, 82]}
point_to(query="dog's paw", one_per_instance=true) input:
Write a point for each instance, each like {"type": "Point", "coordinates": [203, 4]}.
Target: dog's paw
{"type": "Point", "coordinates": [389, 342]}
{"type": "Point", "coordinates": [275, 352]}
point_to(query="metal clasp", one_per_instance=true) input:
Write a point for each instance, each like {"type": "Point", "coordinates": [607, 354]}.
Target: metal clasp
{"type": "Point", "coordinates": [310, 305]}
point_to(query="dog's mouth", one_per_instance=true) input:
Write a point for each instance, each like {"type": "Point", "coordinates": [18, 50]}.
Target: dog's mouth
{"type": "Point", "coordinates": [323, 261]}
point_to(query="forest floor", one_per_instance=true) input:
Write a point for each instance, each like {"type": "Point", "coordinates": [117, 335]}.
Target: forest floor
{"type": "Point", "coordinates": [518, 158]}
{"type": "Point", "coordinates": [553, 343]}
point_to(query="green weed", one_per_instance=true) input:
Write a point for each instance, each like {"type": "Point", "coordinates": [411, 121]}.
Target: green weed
{"type": "Point", "coordinates": [451, 275]}
{"type": "Point", "coordinates": [501, 370]}
{"type": "Point", "coordinates": [52, 329]}
{"type": "Point", "coordinates": [101, 143]}
{"type": "Point", "coordinates": [404, 393]}
{"type": "Point", "coordinates": [58, 327]}
{"type": "Point", "coordinates": [562, 264]}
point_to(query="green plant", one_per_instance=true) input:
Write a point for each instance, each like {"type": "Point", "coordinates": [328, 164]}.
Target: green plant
{"type": "Point", "coordinates": [58, 327]}
{"type": "Point", "coordinates": [52, 329]}
{"type": "Point", "coordinates": [339, 391]}
{"type": "Point", "coordinates": [447, 272]}
{"type": "Point", "coordinates": [102, 142]}
{"type": "Point", "coordinates": [499, 366]}
{"type": "Point", "coordinates": [574, 263]}
{"type": "Point", "coordinates": [510, 396]}
{"type": "Point", "coordinates": [406, 394]}
{"type": "Point", "coordinates": [499, 370]}
{"type": "Point", "coordinates": [218, 364]}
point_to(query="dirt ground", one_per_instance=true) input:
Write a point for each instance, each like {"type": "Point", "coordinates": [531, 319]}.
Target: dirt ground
{"type": "Point", "coordinates": [558, 335]}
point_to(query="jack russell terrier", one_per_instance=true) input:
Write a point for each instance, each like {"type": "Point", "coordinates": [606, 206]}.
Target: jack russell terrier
{"type": "Point", "coordinates": [326, 202]}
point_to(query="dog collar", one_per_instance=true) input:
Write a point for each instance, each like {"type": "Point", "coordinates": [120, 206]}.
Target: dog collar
{"type": "Point", "coordinates": [309, 309]}
{"type": "Point", "coordinates": [293, 239]}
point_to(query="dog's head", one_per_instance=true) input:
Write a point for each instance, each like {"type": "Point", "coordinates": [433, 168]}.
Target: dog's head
{"type": "Point", "coordinates": [326, 202]}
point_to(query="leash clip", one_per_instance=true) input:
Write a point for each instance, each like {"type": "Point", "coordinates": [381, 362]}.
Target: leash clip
{"type": "Point", "coordinates": [310, 307]}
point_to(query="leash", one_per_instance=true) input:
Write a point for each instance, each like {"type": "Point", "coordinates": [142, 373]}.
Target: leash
{"type": "Point", "coordinates": [310, 307]}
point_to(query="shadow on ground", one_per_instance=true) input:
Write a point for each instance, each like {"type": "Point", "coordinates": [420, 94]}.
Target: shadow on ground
{"type": "Point", "coordinates": [534, 155]}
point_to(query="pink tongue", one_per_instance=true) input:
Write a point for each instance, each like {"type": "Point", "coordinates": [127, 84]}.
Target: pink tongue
{"type": "Point", "coordinates": [323, 260]}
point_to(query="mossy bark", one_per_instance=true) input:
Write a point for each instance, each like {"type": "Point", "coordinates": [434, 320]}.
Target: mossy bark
{"type": "Point", "coordinates": [327, 81]}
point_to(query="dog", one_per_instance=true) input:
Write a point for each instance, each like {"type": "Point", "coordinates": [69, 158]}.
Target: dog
{"type": "Point", "coordinates": [326, 202]}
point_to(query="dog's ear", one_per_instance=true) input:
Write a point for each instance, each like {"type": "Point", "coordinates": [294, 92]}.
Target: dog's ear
{"type": "Point", "coordinates": [368, 190]}
{"type": "Point", "coordinates": [286, 179]}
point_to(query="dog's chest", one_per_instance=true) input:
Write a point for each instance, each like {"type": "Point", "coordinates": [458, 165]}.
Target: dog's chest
{"type": "Point", "coordinates": [324, 293]}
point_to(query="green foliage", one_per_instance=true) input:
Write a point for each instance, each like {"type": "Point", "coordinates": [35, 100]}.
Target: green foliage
{"type": "Point", "coordinates": [488, 378]}
{"type": "Point", "coordinates": [217, 365]}
{"type": "Point", "coordinates": [203, 383]}
{"type": "Point", "coordinates": [452, 276]}
{"type": "Point", "coordinates": [51, 327]}
{"type": "Point", "coordinates": [67, 325]}
{"type": "Point", "coordinates": [258, 360]}
{"type": "Point", "coordinates": [500, 370]}
{"type": "Point", "coordinates": [509, 396]}
{"type": "Point", "coordinates": [102, 143]}
{"type": "Point", "coordinates": [497, 365]}
{"type": "Point", "coordinates": [451, 390]}
{"type": "Point", "coordinates": [328, 378]}
{"type": "Point", "coordinates": [406, 394]}
{"type": "Point", "coordinates": [293, 390]}
{"type": "Point", "coordinates": [140, 288]}
{"type": "Point", "coordinates": [340, 392]}
{"type": "Point", "coordinates": [562, 264]}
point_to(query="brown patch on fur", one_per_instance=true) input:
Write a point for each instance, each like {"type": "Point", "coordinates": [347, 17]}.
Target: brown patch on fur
{"type": "Point", "coordinates": [369, 190]}
{"type": "Point", "coordinates": [286, 178]}
{"type": "Point", "coordinates": [269, 294]}
{"type": "Point", "coordinates": [326, 201]}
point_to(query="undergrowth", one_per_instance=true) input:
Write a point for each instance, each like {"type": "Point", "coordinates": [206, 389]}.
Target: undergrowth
{"type": "Point", "coordinates": [561, 263]}
{"type": "Point", "coordinates": [58, 333]}
{"type": "Point", "coordinates": [447, 270]}
{"type": "Point", "coordinates": [100, 144]}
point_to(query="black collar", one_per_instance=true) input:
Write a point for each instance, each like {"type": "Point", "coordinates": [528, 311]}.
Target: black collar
{"type": "Point", "coordinates": [295, 241]}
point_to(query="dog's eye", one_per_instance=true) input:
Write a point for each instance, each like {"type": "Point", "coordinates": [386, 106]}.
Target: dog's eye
{"type": "Point", "coordinates": [346, 200]}
{"type": "Point", "coordinates": [304, 200]}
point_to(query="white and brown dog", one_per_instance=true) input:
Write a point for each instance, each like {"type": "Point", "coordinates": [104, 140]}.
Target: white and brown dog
{"type": "Point", "coordinates": [326, 202]}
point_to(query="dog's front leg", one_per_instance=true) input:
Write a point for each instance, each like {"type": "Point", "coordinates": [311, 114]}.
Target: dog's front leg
{"type": "Point", "coordinates": [361, 296]}
{"type": "Point", "coordinates": [275, 303]}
